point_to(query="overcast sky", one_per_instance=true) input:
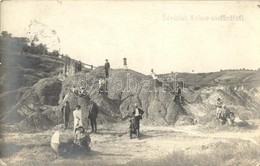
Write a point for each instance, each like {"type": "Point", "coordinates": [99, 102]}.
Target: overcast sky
{"type": "Point", "coordinates": [150, 34]}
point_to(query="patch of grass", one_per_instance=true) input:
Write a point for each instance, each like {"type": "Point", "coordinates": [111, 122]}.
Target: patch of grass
{"type": "Point", "coordinates": [221, 154]}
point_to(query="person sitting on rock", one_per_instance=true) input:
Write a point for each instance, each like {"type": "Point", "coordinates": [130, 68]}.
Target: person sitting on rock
{"type": "Point", "coordinates": [82, 91]}
{"type": "Point", "coordinates": [75, 90]}
{"type": "Point", "coordinates": [231, 118]}
{"type": "Point", "coordinates": [135, 121]}
{"type": "Point", "coordinates": [101, 84]}
{"type": "Point", "coordinates": [226, 116]}
{"type": "Point", "coordinates": [82, 139]}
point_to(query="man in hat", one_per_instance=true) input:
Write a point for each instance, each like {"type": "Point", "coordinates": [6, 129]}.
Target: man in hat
{"type": "Point", "coordinates": [125, 64]}
{"type": "Point", "coordinates": [93, 112]}
{"type": "Point", "coordinates": [135, 121]}
{"type": "Point", "coordinates": [178, 93]}
{"type": "Point", "coordinates": [107, 66]}
{"type": "Point", "coordinates": [66, 113]}
{"type": "Point", "coordinates": [219, 106]}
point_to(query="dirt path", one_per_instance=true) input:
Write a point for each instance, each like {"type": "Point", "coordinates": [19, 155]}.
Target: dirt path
{"type": "Point", "coordinates": [112, 146]}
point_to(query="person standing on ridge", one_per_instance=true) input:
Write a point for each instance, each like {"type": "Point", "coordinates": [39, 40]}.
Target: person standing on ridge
{"type": "Point", "coordinates": [107, 67]}
{"type": "Point", "coordinates": [178, 94]}
{"type": "Point", "coordinates": [154, 76]}
{"type": "Point", "coordinates": [65, 110]}
{"type": "Point", "coordinates": [125, 63]}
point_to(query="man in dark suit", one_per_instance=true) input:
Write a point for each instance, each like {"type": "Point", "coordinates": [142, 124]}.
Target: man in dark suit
{"type": "Point", "coordinates": [93, 112]}
{"type": "Point", "coordinates": [107, 66]}
{"type": "Point", "coordinates": [65, 110]}
{"type": "Point", "coordinates": [135, 121]}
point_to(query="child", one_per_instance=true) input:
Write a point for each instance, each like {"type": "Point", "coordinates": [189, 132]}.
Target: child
{"type": "Point", "coordinates": [82, 139]}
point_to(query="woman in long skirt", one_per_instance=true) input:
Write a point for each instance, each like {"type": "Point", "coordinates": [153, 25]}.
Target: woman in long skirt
{"type": "Point", "coordinates": [77, 114]}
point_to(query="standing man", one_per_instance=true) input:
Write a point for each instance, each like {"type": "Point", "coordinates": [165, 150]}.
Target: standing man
{"type": "Point", "coordinates": [135, 122]}
{"type": "Point", "coordinates": [125, 63]}
{"type": "Point", "coordinates": [107, 66]}
{"type": "Point", "coordinates": [66, 113]}
{"type": "Point", "coordinates": [219, 106]}
{"type": "Point", "coordinates": [178, 93]}
{"type": "Point", "coordinates": [93, 112]}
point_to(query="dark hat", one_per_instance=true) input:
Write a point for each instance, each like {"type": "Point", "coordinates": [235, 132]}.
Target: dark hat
{"type": "Point", "coordinates": [218, 99]}
{"type": "Point", "coordinates": [106, 59]}
{"type": "Point", "coordinates": [81, 129]}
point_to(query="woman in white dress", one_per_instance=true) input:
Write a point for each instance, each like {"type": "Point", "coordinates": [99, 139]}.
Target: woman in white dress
{"type": "Point", "coordinates": [77, 114]}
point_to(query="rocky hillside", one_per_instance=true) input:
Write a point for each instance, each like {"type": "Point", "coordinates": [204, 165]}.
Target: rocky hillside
{"type": "Point", "coordinates": [38, 106]}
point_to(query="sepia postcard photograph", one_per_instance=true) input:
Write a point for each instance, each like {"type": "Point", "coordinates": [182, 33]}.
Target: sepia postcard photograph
{"type": "Point", "coordinates": [129, 82]}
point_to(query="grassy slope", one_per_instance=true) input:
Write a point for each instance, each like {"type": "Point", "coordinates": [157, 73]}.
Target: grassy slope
{"type": "Point", "coordinates": [20, 70]}
{"type": "Point", "coordinates": [240, 77]}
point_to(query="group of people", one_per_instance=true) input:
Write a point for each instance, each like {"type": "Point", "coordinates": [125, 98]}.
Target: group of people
{"type": "Point", "coordinates": [223, 114]}
{"type": "Point", "coordinates": [177, 92]}
{"type": "Point", "coordinates": [77, 116]}
{"type": "Point", "coordinates": [81, 137]}
{"type": "Point", "coordinates": [81, 91]}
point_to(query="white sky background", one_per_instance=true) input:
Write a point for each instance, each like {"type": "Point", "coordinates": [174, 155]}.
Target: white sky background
{"type": "Point", "coordinates": [93, 31]}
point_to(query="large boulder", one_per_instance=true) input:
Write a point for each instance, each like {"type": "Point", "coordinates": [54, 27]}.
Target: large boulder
{"type": "Point", "coordinates": [125, 88]}
{"type": "Point", "coordinates": [48, 90]}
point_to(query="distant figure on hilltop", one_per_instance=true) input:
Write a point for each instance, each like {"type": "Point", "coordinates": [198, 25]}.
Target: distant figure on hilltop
{"type": "Point", "coordinates": [79, 66]}
{"type": "Point", "coordinates": [125, 63]}
{"type": "Point", "coordinates": [154, 76]}
{"type": "Point", "coordinates": [107, 67]}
